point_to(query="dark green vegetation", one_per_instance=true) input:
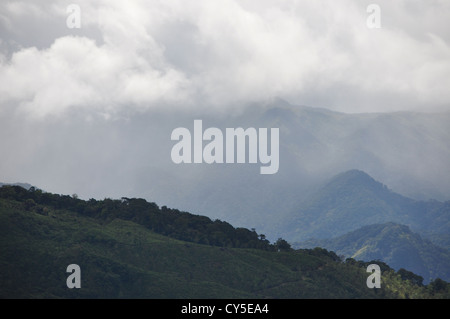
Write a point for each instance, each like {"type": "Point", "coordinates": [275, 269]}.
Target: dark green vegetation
{"type": "Point", "coordinates": [24, 185]}
{"type": "Point", "coordinates": [164, 221]}
{"type": "Point", "coordinates": [394, 244]}
{"type": "Point", "coordinates": [131, 248]}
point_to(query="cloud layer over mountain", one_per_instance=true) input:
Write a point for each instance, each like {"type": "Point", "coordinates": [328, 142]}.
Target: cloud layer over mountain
{"type": "Point", "coordinates": [140, 55]}
{"type": "Point", "coordinates": [91, 110]}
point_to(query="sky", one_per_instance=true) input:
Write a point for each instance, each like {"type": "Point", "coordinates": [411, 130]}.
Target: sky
{"type": "Point", "coordinates": [221, 55]}
{"type": "Point", "coordinates": [90, 109]}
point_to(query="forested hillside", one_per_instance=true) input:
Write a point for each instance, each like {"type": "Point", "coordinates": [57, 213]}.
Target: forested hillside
{"type": "Point", "coordinates": [130, 248]}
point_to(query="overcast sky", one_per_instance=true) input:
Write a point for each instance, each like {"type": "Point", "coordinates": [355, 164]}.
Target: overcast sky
{"type": "Point", "coordinates": [90, 110]}
{"type": "Point", "coordinates": [136, 55]}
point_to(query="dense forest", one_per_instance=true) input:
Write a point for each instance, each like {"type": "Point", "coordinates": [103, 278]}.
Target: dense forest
{"type": "Point", "coordinates": [165, 221]}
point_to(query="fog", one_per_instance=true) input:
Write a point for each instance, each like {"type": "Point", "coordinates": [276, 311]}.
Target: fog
{"type": "Point", "coordinates": [90, 110]}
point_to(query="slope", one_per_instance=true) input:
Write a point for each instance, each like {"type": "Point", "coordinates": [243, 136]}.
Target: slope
{"type": "Point", "coordinates": [394, 244]}
{"type": "Point", "coordinates": [407, 151]}
{"type": "Point", "coordinates": [353, 199]}
{"type": "Point", "coordinates": [121, 258]}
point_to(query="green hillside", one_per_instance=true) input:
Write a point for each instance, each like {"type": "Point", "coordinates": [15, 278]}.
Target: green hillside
{"type": "Point", "coordinates": [394, 244]}
{"type": "Point", "coordinates": [123, 253]}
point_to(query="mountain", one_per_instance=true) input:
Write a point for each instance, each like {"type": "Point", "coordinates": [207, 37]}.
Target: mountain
{"type": "Point", "coordinates": [408, 151]}
{"type": "Point", "coordinates": [131, 248]}
{"type": "Point", "coordinates": [393, 244]}
{"type": "Point", "coordinates": [353, 199]}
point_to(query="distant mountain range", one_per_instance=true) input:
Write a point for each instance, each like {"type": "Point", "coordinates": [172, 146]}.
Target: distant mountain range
{"type": "Point", "coordinates": [359, 217]}
{"type": "Point", "coordinates": [392, 243]}
{"type": "Point", "coordinates": [407, 151]}
{"type": "Point", "coordinates": [353, 199]}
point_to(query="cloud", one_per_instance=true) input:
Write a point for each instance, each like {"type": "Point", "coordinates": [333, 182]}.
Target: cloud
{"type": "Point", "coordinates": [75, 72]}
{"type": "Point", "coordinates": [91, 110]}
{"type": "Point", "coordinates": [134, 56]}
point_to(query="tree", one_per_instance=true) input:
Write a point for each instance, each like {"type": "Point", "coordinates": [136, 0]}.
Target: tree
{"type": "Point", "coordinates": [408, 275]}
{"type": "Point", "coordinates": [282, 245]}
{"type": "Point", "coordinates": [438, 285]}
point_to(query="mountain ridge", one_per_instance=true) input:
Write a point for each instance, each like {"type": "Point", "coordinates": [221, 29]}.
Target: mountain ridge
{"type": "Point", "coordinates": [353, 199]}
{"type": "Point", "coordinates": [24, 185]}
{"type": "Point", "coordinates": [392, 243]}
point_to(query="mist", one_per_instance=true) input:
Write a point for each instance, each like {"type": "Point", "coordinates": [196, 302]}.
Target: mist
{"type": "Point", "coordinates": [90, 110]}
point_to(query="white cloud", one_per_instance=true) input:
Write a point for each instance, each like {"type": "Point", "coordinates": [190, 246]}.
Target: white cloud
{"type": "Point", "coordinates": [225, 53]}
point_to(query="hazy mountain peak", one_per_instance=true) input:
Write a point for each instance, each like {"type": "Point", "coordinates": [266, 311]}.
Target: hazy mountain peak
{"type": "Point", "coordinates": [349, 200]}
{"type": "Point", "coordinates": [354, 175]}
{"type": "Point", "coordinates": [351, 181]}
